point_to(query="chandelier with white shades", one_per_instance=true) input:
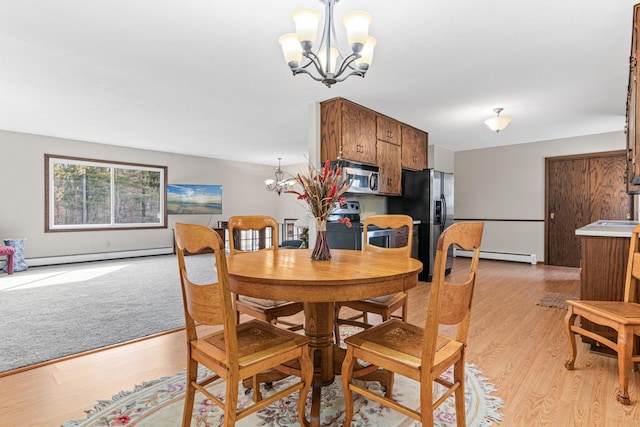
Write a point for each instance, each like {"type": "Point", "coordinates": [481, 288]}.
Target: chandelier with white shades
{"type": "Point", "coordinates": [279, 184]}
{"type": "Point", "coordinates": [326, 63]}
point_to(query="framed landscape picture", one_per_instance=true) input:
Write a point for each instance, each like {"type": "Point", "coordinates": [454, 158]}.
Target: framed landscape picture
{"type": "Point", "coordinates": [186, 199]}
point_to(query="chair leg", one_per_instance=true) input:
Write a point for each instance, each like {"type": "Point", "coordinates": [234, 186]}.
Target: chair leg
{"type": "Point", "coordinates": [404, 307]}
{"type": "Point", "coordinates": [347, 372]}
{"type": "Point", "coordinates": [10, 263]}
{"type": "Point", "coordinates": [625, 351]}
{"type": "Point", "coordinates": [257, 393]}
{"type": "Point", "coordinates": [426, 401]}
{"type": "Point", "coordinates": [336, 322]}
{"type": "Point", "coordinates": [306, 374]}
{"type": "Point", "coordinates": [569, 320]}
{"type": "Point", "coordinates": [458, 377]}
{"type": "Point", "coordinates": [231, 402]}
{"type": "Point", "coordinates": [189, 397]}
{"type": "Point", "coordinates": [235, 308]}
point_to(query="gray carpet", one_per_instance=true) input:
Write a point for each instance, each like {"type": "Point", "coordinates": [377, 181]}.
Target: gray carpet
{"type": "Point", "coordinates": [51, 312]}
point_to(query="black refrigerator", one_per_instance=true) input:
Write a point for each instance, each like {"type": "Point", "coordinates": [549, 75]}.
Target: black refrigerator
{"type": "Point", "coordinates": [427, 196]}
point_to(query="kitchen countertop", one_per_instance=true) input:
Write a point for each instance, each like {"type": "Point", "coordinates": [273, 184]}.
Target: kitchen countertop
{"type": "Point", "coordinates": [608, 228]}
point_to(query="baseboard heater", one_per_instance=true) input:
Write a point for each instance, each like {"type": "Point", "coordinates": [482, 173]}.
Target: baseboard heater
{"type": "Point", "coordinates": [500, 256]}
{"type": "Point", "coordinates": [67, 259]}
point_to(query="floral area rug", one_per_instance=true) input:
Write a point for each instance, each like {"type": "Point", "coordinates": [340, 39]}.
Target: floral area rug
{"type": "Point", "coordinates": [159, 403]}
{"type": "Point", "coordinates": [556, 300]}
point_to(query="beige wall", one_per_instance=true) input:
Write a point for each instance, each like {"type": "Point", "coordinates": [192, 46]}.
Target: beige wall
{"type": "Point", "coordinates": [491, 184]}
{"type": "Point", "coordinates": [507, 183]}
{"type": "Point", "coordinates": [22, 206]}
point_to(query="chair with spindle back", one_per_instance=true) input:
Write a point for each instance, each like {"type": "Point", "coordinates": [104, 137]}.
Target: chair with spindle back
{"type": "Point", "coordinates": [387, 304]}
{"type": "Point", "coordinates": [422, 354]}
{"type": "Point", "coordinates": [268, 310]}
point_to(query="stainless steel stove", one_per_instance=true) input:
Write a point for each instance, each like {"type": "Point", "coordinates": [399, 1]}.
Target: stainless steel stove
{"type": "Point", "coordinates": [339, 235]}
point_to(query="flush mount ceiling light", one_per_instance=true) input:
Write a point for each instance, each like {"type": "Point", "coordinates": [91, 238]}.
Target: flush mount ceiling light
{"type": "Point", "coordinates": [498, 122]}
{"type": "Point", "coordinates": [279, 184]}
{"type": "Point", "coordinates": [322, 62]}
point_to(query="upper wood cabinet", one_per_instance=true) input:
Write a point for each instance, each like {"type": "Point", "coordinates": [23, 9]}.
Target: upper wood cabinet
{"type": "Point", "coordinates": [351, 132]}
{"type": "Point", "coordinates": [390, 172]}
{"type": "Point", "coordinates": [633, 139]}
{"type": "Point", "coordinates": [414, 148]}
{"type": "Point", "coordinates": [388, 130]}
{"type": "Point", "coordinates": [347, 131]}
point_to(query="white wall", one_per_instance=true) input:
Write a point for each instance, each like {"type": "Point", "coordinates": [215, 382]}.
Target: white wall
{"type": "Point", "coordinates": [507, 183]}
{"type": "Point", "coordinates": [22, 206]}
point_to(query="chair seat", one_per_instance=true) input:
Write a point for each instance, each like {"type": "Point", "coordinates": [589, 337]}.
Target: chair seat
{"type": "Point", "coordinates": [402, 342]}
{"type": "Point", "coordinates": [256, 340]}
{"type": "Point", "coordinates": [266, 303]}
{"type": "Point", "coordinates": [626, 313]}
{"type": "Point", "coordinates": [387, 299]}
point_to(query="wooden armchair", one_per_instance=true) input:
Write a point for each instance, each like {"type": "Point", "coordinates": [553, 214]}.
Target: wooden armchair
{"type": "Point", "coordinates": [236, 351]}
{"type": "Point", "coordinates": [622, 316]}
{"type": "Point", "coordinates": [266, 310]}
{"type": "Point", "coordinates": [421, 353]}
{"type": "Point", "coordinates": [388, 304]}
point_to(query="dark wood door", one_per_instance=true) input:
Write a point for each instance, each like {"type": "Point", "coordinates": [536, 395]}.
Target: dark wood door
{"type": "Point", "coordinates": [568, 209]}
{"type": "Point", "coordinates": [580, 190]}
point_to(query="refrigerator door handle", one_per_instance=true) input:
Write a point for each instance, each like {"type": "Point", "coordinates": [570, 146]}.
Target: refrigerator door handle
{"type": "Point", "coordinates": [443, 223]}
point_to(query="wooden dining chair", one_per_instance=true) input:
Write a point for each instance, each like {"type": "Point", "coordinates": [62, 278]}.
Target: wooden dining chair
{"type": "Point", "coordinates": [237, 351]}
{"type": "Point", "coordinates": [422, 354]}
{"type": "Point", "coordinates": [623, 317]}
{"type": "Point", "coordinates": [387, 304]}
{"type": "Point", "coordinates": [264, 309]}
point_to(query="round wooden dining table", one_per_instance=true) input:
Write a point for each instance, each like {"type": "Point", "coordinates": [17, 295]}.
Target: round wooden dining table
{"type": "Point", "coordinates": [291, 275]}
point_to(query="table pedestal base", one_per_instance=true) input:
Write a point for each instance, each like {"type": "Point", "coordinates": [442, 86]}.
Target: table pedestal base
{"type": "Point", "coordinates": [327, 358]}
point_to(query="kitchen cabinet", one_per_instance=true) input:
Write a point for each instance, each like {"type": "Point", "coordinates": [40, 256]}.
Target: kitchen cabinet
{"type": "Point", "coordinates": [632, 128]}
{"type": "Point", "coordinates": [347, 131]}
{"type": "Point", "coordinates": [388, 130]}
{"type": "Point", "coordinates": [414, 148]}
{"type": "Point", "coordinates": [351, 132]}
{"type": "Point", "coordinates": [605, 251]}
{"type": "Point", "coordinates": [390, 169]}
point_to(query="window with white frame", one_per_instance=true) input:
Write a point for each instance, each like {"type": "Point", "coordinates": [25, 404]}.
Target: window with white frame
{"type": "Point", "coordinates": [86, 194]}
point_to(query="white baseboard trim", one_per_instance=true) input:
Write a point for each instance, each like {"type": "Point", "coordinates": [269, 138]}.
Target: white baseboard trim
{"type": "Point", "coordinates": [67, 259]}
{"type": "Point", "coordinates": [500, 256]}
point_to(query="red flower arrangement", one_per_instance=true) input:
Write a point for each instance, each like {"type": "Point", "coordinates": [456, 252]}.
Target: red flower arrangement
{"type": "Point", "coordinates": [322, 190]}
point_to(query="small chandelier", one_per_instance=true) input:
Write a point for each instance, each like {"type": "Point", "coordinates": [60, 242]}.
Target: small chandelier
{"type": "Point", "coordinates": [498, 122]}
{"type": "Point", "coordinates": [279, 184]}
{"type": "Point", "coordinates": [325, 57]}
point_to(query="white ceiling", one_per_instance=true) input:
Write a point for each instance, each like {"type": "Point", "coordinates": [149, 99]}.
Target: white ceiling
{"type": "Point", "coordinates": [207, 77]}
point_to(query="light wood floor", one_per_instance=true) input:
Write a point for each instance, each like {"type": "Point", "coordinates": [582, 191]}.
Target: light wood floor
{"type": "Point", "coordinates": [519, 346]}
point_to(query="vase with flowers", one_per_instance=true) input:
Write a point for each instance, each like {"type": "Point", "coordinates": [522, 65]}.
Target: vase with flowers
{"type": "Point", "coordinates": [322, 190]}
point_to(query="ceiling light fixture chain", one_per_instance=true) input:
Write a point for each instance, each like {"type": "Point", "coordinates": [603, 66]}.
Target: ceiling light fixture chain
{"type": "Point", "coordinates": [324, 59]}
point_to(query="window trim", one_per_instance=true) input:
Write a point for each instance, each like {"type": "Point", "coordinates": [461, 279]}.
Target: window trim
{"type": "Point", "coordinates": [49, 159]}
